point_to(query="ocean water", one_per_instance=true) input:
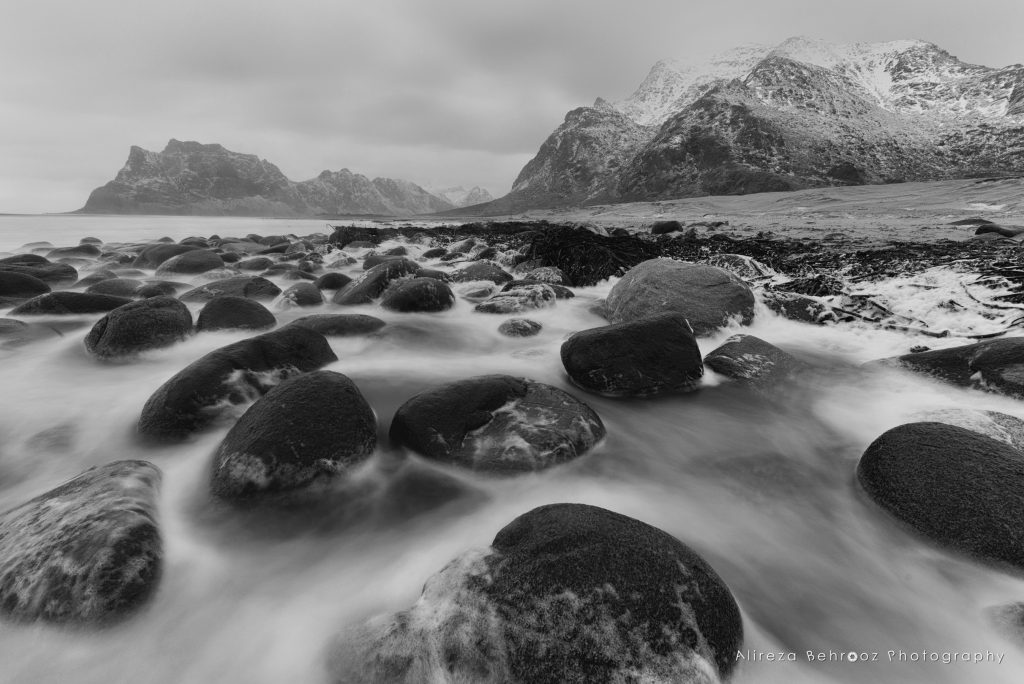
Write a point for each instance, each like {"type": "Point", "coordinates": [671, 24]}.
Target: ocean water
{"type": "Point", "coordinates": [763, 488]}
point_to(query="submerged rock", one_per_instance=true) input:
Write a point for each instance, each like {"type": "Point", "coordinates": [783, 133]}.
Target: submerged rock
{"type": "Point", "coordinates": [653, 355]}
{"type": "Point", "coordinates": [119, 287]}
{"type": "Point", "coordinates": [750, 359]}
{"type": "Point", "coordinates": [999, 426]}
{"type": "Point", "coordinates": [521, 298]}
{"type": "Point", "coordinates": [340, 325]}
{"type": "Point", "coordinates": [252, 287]}
{"type": "Point", "coordinates": [234, 313]}
{"type": "Point", "coordinates": [566, 594]}
{"type": "Point", "coordinates": [138, 326]}
{"type": "Point", "coordinates": [88, 551]}
{"type": "Point", "coordinates": [482, 270]}
{"type": "Point", "coordinates": [233, 374]}
{"type": "Point", "coordinates": [520, 327]}
{"type": "Point", "coordinates": [955, 486]}
{"type": "Point", "coordinates": [301, 295]}
{"type": "Point", "coordinates": [191, 263]}
{"type": "Point", "coordinates": [16, 286]}
{"type": "Point", "coordinates": [497, 423]}
{"type": "Point", "coordinates": [995, 365]}
{"type": "Point", "coordinates": [67, 303]}
{"type": "Point", "coordinates": [706, 295]}
{"type": "Point", "coordinates": [418, 295]}
{"type": "Point", "coordinates": [310, 428]}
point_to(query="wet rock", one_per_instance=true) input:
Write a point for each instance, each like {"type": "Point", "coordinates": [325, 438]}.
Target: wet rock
{"type": "Point", "coordinates": [302, 295]}
{"type": "Point", "coordinates": [53, 274]}
{"type": "Point", "coordinates": [561, 292]}
{"type": "Point", "coordinates": [119, 287]}
{"type": "Point", "coordinates": [191, 263]}
{"type": "Point", "coordinates": [251, 287]}
{"type": "Point", "coordinates": [234, 313]}
{"type": "Point", "coordinates": [497, 423]}
{"type": "Point", "coordinates": [994, 365]}
{"type": "Point", "coordinates": [97, 276]}
{"type": "Point", "coordinates": [955, 486]}
{"type": "Point", "coordinates": [159, 288]}
{"type": "Point", "coordinates": [138, 326]}
{"type": "Point", "coordinates": [345, 235]}
{"type": "Point", "coordinates": [86, 552]}
{"type": "Point", "coordinates": [154, 255]}
{"type": "Point", "coordinates": [706, 295]}
{"type": "Point", "coordinates": [520, 327]}
{"type": "Point", "coordinates": [752, 360]}
{"type": "Point", "coordinates": [371, 284]}
{"type": "Point", "coordinates": [521, 298]}
{"type": "Point", "coordinates": [65, 303]}
{"type": "Point", "coordinates": [798, 307]}
{"type": "Point", "coordinates": [255, 264]}
{"type": "Point", "coordinates": [664, 227]}
{"type": "Point", "coordinates": [309, 429]}
{"type": "Point", "coordinates": [332, 281]}
{"type": "Point", "coordinates": [434, 253]}
{"type": "Point", "coordinates": [20, 286]}
{"type": "Point", "coordinates": [547, 274]}
{"type": "Point", "coordinates": [234, 374]}
{"type": "Point", "coordinates": [88, 251]}
{"type": "Point", "coordinates": [653, 355]}
{"type": "Point", "coordinates": [24, 260]}
{"type": "Point", "coordinates": [433, 273]}
{"type": "Point", "coordinates": [999, 426]}
{"type": "Point", "coordinates": [566, 594]}
{"type": "Point", "coordinates": [482, 270]}
{"type": "Point", "coordinates": [418, 295]}
{"type": "Point", "coordinates": [340, 325]}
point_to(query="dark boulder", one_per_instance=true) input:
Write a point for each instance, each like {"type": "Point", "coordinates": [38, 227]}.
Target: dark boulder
{"type": "Point", "coordinates": [561, 291]}
{"type": "Point", "coordinates": [135, 327]}
{"type": "Point", "coordinates": [252, 287]}
{"type": "Point", "coordinates": [119, 287]}
{"type": "Point", "coordinates": [86, 552]}
{"type": "Point", "coordinates": [418, 295]}
{"type": "Point", "coordinates": [520, 327]}
{"type": "Point", "coordinates": [154, 255]}
{"type": "Point", "coordinates": [999, 426]}
{"type": "Point", "coordinates": [752, 360]}
{"type": "Point", "coordinates": [340, 325]}
{"type": "Point", "coordinates": [302, 295]}
{"type": "Point", "coordinates": [566, 594]}
{"type": "Point", "coordinates": [255, 264]}
{"type": "Point", "coordinates": [434, 253]}
{"type": "Point", "coordinates": [344, 235]}
{"type": "Point", "coordinates": [234, 313]}
{"type": "Point", "coordinates": [706, 295]}
{"type": "Point", "coordinates": [24, 260]}
{"type": "Point", "coordinates": [497, 423]}
{"type": "Point", "coordinates": [234, 374]}
{"type": "Point", "coordinates": [547, 274]}
{"type": "Point", "coordinates": [371, 284]}
{"type": "Point", "coordinates": [332, 281]}
{"type": "Point", "coordinates": [310, 428]}
{"type": "Point", "coordinates": [520, 298]}
{"type": "Point", "coordinates": [955, 486]}
{"type": "Point", "coordinates": [18, 286]}
{"type": "Point", "coordinates": [65, 303]}
{"type": "Point", "coordinates": [54, 274]}
{"type": "Point", "coordinates": [159, 288]}
{"type": "Point", "coordinates": [191, 263]}
{"type": "Point", "coordinates": [482, 270]}
{"type": "Point", "coordinates": [994, 365]}
{"type": "Point", "coordinates": [87, 251]}
{"type": "Point", "coordinates": [664, 227]}
{"type": "Point", "coordinates": [653, 355]}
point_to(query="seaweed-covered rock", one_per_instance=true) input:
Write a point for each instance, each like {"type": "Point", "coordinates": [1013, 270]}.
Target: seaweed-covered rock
{"type": "Point", "coordinates": [798, 307]}
{"type": "Point", "coordinates": [418, 295]}
{"type": "Point", "coordinates": [706, 295]}
{"type": "Point", "coordinates": [665, 227]}
{"type": "Point", "coordinates": [138, 326]}
{"type": "Point", "coordinates": [255, 264]}
{"type": "Point", "coordinates": [497, 423]}
{"type": "Point", "coordinates": [955, 486]}
{"type": "Point", "coordinates": [566, 594]}
{"type": "Point", "coordinates": [994, 365]}
{"type": "Point", "coordinates": [752, 360]}
{"type": "Point", "coordinates": [308, 429]}
{"type": "Point", "coordinates": [371, 285]}
{"type": "Point", "coordinates": [67, 303]}
{"type": "Point", "coordinates": [252, 287]}
{"type": "Point", "coordinates": [236, 373]}
{"type": "Point", "coordinates": [234, 313]}
{"type": "Point", "coordinates": [653, 355]}
{"type": "Point", "coordinates": [585, 257]}
{"type": "Point", "coordinates": [86, 552]}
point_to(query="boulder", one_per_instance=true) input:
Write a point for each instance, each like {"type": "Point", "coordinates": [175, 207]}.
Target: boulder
{"type": "Point", "coordinates": [332, 281]}
{"type": "Point", "coordinates": [371, 284]}
{"type": "Point", "coordinates": [154, 255]}
{"type": "Point", "coordinates": [665, 227]}
{"type": "Point", "coordinates": [497, 423]}
{"type": "Point", "coordinates": [418, 295]}
{"type": "Point", "coordinates": [751, 360]}
{"type": "Point", "coordinates": [234, 313]}
{"type": "Point", "coordinates": [955, 486]}
{"type": "Point", "coordinates": [191, 263]}
{"type": "Point", "coordinates": [234, 374]}
{"type": "Point", "coordinates": [517, 299]}
{"type": "Point", "coordinates": [87, 251]}
{"type": "Point", "coordinates": [561, 291]}
{"type": "Point", "coordinates": [744, 266]}
{"type": "Point", "coordinates": [138, 326]}
{"type": "Point", "coordinates": [547, 274]}
{"type": "Point", "coordinates": [87, 552]}
{"type": "Point", "coordinates": [706, 295]}
{"type": "Point", "coordinates": [252, 287]}
{"type": "Point", "coordinates": [119, 287]}
{"type": "Point", "coordinates": [999, 426]}
{"type": "Point", "coordinates": [302, 295]}
{"type": "Point", "coordinates": [66, 303]}
{"type": "Point", "coordinates": [340, 325]}
{"type": "Point", "coordinates": [158, 288]}
{"type": "Point", "coordinates": [434, 253]}
{"type": "Point", "coordinates": [566, 594]}
{"type": "Point", "coordinates": [310, 428]}
{"type": "Point", "coordinates": [54, 274]}
{"type": "Point", "coordinates": [18, 286]}
{"type": "Point", "coordinates": [520, 327]}
{"type": "Point", "coordinates": [994, 365]}
{"type": "Point", "coordinates": [255, 264]}
{"type": "Point", "coordinates": [798, 307]}
{"type": "Point", "coordinates": [482, 270]}
{"type": "Point", "coordinates": [653, 355]}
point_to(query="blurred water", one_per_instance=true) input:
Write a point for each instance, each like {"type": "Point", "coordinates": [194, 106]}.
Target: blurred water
{"type": "Point", "coordinates": [763, 488]}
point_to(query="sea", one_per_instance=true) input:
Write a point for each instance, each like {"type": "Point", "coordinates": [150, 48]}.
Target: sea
{"type": "Point", "coordinates": [763, 486]}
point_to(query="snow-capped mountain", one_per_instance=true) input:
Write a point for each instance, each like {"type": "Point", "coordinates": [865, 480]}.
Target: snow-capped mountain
{"type": "Point", "coordinates": [459, 196]}
{"type": "Point", "coordinates": [804, 113]}
{"type": "Point", "coordinates": [192, 178]}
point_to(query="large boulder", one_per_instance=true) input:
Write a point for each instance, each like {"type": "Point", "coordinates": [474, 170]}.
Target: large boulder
{"type": "Point", "coordinates": [310, 428]}
{"type": "Point", "coordinates": [191, 263]}
{"type": "Point", "coordinates": [138, 326]}
{"type": "Point", "coordinates": [653, 355]}
{"type": "Point", "coordinates": [418, 295]}
{"type": "Point", "coordinates": [154, 255]}
{"type": "Point", "coordinates": [118, 287]}
{"type": "Point", "coordinates": [751, 360]}
{"type": "Point", "coordinates": [995, 365]}
{"type": "Point", "coordinates": [88, 551]}
{"type": "Point", "coordinates": [566, 594]}
{"type": "Point", "coordinates": [234, 374]}
{"type": "Point", "coordinates": [340, 325]}
{"type": "Point", "coordinates": [497, 423]}
{"type": "Point", "coordinates": [54, 274]}
{"type": "Point", "coordinates": [706, 295]}
{"type": "Point", "coordinates": [955, 486]}
{"type": "Point", "coordinates": [17, 286]}
{"type": "Point", "coordinates": [67, 303]}
{"type": "Point", "coordinates": [999, 426]}
{"type": "Point", "coordinates": [252, 287]}
{"type": "Point", "coordinates": [371, 284]}
{"type": "Point", "coordinates": [234, 313]}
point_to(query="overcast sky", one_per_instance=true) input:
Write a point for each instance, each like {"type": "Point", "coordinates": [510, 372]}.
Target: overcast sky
{"type": "Point", "coordinates": [441, 92]}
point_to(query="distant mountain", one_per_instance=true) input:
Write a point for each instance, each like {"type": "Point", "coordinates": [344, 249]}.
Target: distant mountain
{"type": "Point", "coordinates": [801, 114]}
{"type": "Point", "coordinates": [459, 196]}
{"type": "Point", "coordinates": [192, 178]}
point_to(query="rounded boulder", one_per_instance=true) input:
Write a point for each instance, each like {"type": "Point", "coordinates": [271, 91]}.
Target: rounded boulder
{"type": "Point", "coordinates": [135, 327]}
{"type": "Point", "coordinates": [234, 313]}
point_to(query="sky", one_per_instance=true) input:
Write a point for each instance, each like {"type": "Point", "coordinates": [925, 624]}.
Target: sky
{"type": "Point", "coordinates": [439, 92]}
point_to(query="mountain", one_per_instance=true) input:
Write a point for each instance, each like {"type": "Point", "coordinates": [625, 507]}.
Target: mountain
{"type": "Point", "coordinates": [192, 178]}
{"type": "Point", "coordinates": [459, 196]}
{"type": "Point", "coordinates": [801, 114]}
